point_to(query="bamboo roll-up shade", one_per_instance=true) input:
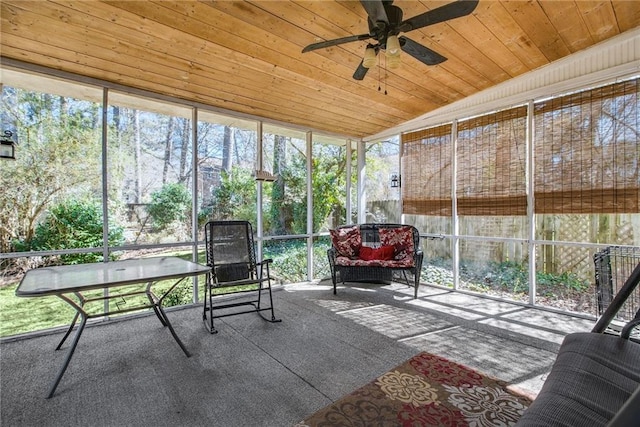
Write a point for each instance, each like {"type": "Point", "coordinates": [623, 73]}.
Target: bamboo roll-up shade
{"type": "Point", "coordinates": [427, 172]}
{"type": "Point", "coordinates": [491, 164]}
{"type": "Point", "coordinates": [587, 151]}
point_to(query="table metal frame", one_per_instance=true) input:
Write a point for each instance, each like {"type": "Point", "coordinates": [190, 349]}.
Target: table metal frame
{"type": "Point", "coordinates": [107, 276]}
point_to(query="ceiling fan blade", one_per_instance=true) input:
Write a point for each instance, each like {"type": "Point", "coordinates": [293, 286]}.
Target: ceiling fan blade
{"type": "Point", "coordinates": [421, 53]}
{"type": "Point", "coordinates": [453, 10]}
{"type": "Point", "coordinates": [375, 10]}
{"type": "Point", "coordinates": [360, 72]}
{"type": "Point", "coordinates": [335, 42]}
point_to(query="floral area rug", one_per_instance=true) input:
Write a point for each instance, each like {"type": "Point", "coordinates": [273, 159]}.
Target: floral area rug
{"type": "Point", "coordinates": [426, 390]}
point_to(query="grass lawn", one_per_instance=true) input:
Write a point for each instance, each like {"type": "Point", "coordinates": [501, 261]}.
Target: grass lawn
{"type": "Point", "coordinates": [20, 315]}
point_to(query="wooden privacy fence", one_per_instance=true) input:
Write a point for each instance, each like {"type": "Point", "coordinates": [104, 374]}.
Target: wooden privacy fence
{"type": "Point", "coordinates": [622, 229]}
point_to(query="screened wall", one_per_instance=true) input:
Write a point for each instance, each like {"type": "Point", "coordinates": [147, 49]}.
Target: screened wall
{"type": "Point", "coordinates": [512, 203]}
{"type": "Point", "coordinates": [524, 197]}
{"type": "Point", "coordinates": [103, 173]}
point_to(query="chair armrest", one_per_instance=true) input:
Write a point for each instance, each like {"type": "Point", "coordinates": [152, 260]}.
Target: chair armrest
{"type": "Point", "coordinates": [433, 236]}
{"type": "Point", "coordinates": [331, 255]}
{"type": "Point", "coordinates": [260, 266]}
{"type": "Point", "coordinates": [418, 257]}
{"type": "Point", "coordinates": [626, 330]}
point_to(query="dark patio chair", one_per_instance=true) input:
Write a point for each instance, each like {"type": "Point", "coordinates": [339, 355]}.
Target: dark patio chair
{"type": "Point", "coordinates": [232, 258]}
{"type": "Point", "coordinates": [595, 380]}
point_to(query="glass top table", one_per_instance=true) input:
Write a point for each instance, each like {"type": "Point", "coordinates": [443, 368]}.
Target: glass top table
{"type": "Point", "coordinates": [68, 282]}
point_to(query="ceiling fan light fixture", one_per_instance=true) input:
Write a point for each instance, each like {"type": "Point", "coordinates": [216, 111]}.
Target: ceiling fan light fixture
{"type": "Point", "coordinates": [393, 46]}
{"type": "Point", "coordinates": [369, 60]}
{"type": "Point", "coordinates": [393, 61]}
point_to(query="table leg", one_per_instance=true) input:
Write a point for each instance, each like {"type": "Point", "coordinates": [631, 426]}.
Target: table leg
{"type": "Point", "coordinates": [157, 308]}
{"type": "Point", "coordinates": [73, 323]}
{"type": "Point", "coordinates": [173, 332]}
{"type": "Point", "coordinates": [75, 318]}
{"type": "Point", "coordinates": [154, 301]}
{"type": "Point", "coordinates": [69, 355]}
{"type": "Point", "coordinates": [162, 315]}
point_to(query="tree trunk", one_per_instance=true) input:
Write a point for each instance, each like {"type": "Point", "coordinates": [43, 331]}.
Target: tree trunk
{"type": "Point", "coordinates": [278, 214]}
{"type": "Point", "coordinates": [227, 149]}
{"type": "Point", "coordinates": [168, 149]}
{"type": "Point", "coordinates": [137, 156]}
{"type": "Point", "coordinates": [185, 159]}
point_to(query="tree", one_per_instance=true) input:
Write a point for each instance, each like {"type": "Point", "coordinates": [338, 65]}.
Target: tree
{"type": "Point", "coordinates": [58, 156]}
{"type": "Point", "coordinates": [329, 183]}
{"type": "Point", "coordinates": [235, 198]}
{"type": "Point", "coordinates": [227, 149]}
{"type": "Point", "coordinates": [168, 150]}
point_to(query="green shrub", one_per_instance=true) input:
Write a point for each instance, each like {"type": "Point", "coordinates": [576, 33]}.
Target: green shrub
{"type": "Point", "coordinates": [563, 284]}
{"type": "Point", "coordinates": [181, 295]}
{"type": "Point", "coordinates": [72, 224]}
{"type": "Point", "coordinates": [513, 277]}
{"type": "Point", "coordinates": [289, 259]}
{"type": "Point", "coordinates": [170, 203]}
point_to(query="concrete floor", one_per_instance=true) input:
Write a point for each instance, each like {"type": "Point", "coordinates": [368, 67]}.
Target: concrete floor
{"type": "Point", "coordinates": [255, 373]}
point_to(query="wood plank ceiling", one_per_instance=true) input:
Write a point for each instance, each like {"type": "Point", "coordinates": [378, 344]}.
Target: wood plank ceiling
{"type": "Point", "coordinates": [246, 56]}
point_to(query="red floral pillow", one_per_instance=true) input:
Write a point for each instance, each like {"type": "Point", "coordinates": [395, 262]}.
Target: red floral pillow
{"type": "Point", "coordinates": [383, 253]}
{"type": "Point", "coordinates": [347, 241]}
{"type": "Point", "coordinates": [401, 238]}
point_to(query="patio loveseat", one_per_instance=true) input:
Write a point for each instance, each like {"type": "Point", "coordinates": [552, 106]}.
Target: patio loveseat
{"type": "Point", "coordinates": [374, 252]}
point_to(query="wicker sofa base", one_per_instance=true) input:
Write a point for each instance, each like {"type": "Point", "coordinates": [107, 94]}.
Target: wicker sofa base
{"type": "Point", "coordinates": [381, 275]}
{"type": "Point", "coordinates": [365, 274]}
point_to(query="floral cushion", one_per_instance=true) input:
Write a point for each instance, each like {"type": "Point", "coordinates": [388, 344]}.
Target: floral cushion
{"type": "Point", "coordinates": [347, 241]}
{"type": "Point", "coordinates": [401, 238]}
{"type": "Point", "coordinates": [348, 262]}
{"type": "Point", "coordinates": [383, 253]}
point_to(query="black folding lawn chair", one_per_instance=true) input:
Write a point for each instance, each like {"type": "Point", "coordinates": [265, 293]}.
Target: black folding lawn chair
{"type": "Point", "coordinates": [232, 258]}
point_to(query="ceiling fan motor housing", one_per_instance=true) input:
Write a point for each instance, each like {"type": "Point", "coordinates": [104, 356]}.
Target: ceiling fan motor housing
{"type": "Point", "coordinates": [380, 30]}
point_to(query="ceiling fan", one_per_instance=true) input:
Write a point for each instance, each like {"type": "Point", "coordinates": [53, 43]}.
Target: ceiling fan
{"type": "Point", "coordinates": [385, 25]}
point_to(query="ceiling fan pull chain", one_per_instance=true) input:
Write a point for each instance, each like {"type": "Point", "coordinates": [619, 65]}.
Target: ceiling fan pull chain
{"type": "Point", "coordinates": [386, 75]}
{"type": "Point", "coordinates": [379, 67]}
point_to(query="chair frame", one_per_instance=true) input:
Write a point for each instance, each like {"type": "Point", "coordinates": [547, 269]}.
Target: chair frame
{"type": "Point", "coordinates": [259, 274]}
